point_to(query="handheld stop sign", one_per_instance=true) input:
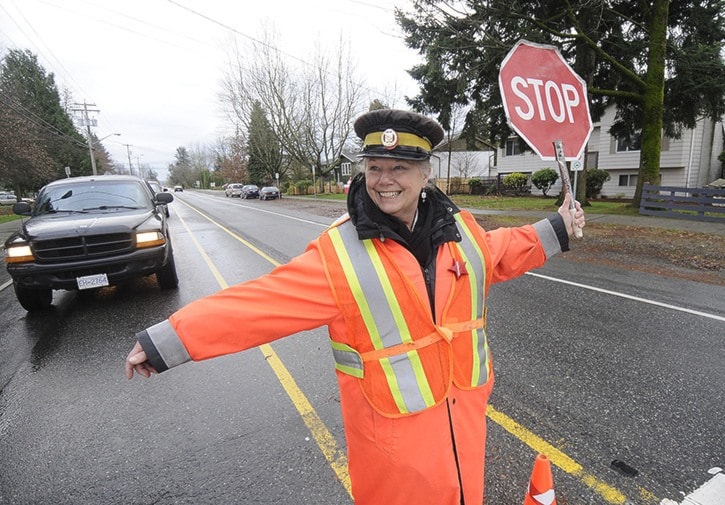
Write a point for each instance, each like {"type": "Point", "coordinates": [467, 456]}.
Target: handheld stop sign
{"type": "Point", "coordinates": [546, 104]}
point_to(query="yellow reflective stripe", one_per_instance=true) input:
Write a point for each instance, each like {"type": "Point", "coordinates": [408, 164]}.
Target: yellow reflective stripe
{"type": "Point", "coordinates": [475, 294]}
{"type": "Point", "coordinates": [357, 291]}
{"type": "Point", "coordinates": [421, 378]}
{"type": "Point", "coordinates": [393, 385]}
{"type": "Point", "coordinates": [404, 331]}
{"type": "Point", "coordinates": [389, 293]}
{"type": "Point", "coordinates": [472, 283]}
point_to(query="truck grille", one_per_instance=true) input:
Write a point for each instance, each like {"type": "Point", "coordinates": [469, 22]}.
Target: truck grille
{"type": "Point", "coordinates": [79, 248]}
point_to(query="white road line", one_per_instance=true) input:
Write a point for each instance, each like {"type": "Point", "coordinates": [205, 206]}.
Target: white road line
{"type": "Point", "coordinates": [630, 297]}
{"type": "Point", "coordinates": [710, 493]}
{"type": "Point", "coordinates": [272, 212]}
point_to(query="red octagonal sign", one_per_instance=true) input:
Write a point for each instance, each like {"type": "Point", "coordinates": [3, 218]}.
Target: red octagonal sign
{"type": "Point", "coordinates": [545, 100]}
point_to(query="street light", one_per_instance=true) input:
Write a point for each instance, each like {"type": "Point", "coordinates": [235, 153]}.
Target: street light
{"type": "Point", "coordinates": [90, 149]}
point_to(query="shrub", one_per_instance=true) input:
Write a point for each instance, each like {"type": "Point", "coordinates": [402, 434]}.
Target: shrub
{"type": "Point", "coordinates": [543, 179]}
{"type": "Point", "coordinates": [517, 182]}
{"type": "Point", "coordinates": [303, 185]}
{"type": "Point", "coordinates": [595, 180]}
{"type": "Point", "coordinates": [476, 186]}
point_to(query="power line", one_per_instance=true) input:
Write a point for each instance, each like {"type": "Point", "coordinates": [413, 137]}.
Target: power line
{"type": "Point", "coordinates": [37, 120]}
{"type": "Point", "coordinates": [257, 41]}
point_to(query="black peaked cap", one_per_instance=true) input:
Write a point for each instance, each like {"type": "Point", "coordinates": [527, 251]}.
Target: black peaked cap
{"type": "Point", "coordinates": [420, 134]}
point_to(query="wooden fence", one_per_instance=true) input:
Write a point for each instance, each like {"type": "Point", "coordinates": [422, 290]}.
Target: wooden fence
{"type": "Point", "coordinates": [696, 204]}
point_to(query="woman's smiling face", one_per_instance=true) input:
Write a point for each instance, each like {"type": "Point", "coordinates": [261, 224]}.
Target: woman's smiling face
{"type": "Point", "coordinates": [395, 185]}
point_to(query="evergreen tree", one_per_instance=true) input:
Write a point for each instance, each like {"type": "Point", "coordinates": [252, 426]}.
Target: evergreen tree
{"type": "Point", "coordinates": [24, 164]}
{"type": "Point", "coordinates": [180, 171]}
{"type": "Point", "coordinates": [32, 95]}
{"type": "Point", "coordinates": [265, 155]}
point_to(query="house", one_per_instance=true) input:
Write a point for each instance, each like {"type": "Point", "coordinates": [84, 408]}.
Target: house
{"type": "Point", "coordinates": [464, 163]}
{"type": "Point", "coordinates": [455, 159]}
{"type": "Point", "coordinates": [690, 161]}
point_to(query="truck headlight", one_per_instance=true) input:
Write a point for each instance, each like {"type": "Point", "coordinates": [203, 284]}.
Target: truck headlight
{"type": "Point", "coordinates": [150, 238]}
{"type": "Point", "coordinates": [19, 254]}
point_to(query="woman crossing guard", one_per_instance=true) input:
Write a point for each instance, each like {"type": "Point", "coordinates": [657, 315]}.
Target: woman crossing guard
{"type": "Point", "coordinates": [401, 283]}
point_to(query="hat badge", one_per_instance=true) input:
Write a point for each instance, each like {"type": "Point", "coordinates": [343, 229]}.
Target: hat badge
{"type": "Point", "coordinates": [389, 139]}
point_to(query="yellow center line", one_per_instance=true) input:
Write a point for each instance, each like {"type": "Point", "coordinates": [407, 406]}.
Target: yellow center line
{"type": "Point", "coordinates": [557, 457]}
{"type": "Point", "coordinates": [337, 457]}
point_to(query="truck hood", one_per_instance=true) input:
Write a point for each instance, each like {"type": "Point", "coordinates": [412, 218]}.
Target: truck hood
{"type": "Point", "coordinates": [53, 226]}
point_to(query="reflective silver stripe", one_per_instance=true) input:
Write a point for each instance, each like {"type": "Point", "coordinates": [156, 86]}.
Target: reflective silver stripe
{"type": "Point", "coordinates": [407, 382]}
{"type": "Point", "coordinates": [347, 359]}
{"type": "Point", "coordinates": [476, 276]}
{"type": "Point", "coordinates": [547, 236]}
{"type": "Point", "coordinates": [372, 291]}
{"type": "Point", "coordinates": [383, 328]}
{"type": "Point", "coordinates": [369, 284]}
{"type": "Point", "coordinates": [168, 344]}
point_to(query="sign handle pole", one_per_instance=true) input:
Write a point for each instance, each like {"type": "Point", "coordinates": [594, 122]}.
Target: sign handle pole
{"type": "Point", "coordinates": [561, 162]}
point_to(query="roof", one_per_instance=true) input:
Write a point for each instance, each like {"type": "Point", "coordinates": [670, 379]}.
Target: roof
{"type": "Point", "coordinates": [90, 178]}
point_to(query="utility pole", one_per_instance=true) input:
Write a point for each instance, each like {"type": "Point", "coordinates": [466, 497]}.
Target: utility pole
{"type": "Point", "coordinates": [87, 123]}
{"type": "Point", "coordinates": [138, 167]}
{"type": "Point", "coordinates": [128, 152]}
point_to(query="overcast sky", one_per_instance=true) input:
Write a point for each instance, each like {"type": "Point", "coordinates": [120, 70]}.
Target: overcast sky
{"type": "Point", "coordinates": [153, 67]}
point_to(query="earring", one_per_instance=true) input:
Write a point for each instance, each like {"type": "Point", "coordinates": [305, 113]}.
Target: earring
{"type": "Point", "coordinates": [423, 195]}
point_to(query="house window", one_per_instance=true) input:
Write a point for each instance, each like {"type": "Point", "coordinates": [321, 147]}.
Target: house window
{"type": "Point", "coordinates": [513, 147]}
{"type": "Point", "coordinates": [628, 180]}
{"type": "Point", "coordinates": [592, 160]}
{"type": "Point", "coordinates": [346, 168]}
{"type": "Point", "coordinates": [634, 143]}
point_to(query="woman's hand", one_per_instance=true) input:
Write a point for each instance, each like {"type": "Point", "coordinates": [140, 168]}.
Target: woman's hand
{"type": "Point", "coordinates": [137, 361]}
{"type": "Point", "coordinates": [573, 218]}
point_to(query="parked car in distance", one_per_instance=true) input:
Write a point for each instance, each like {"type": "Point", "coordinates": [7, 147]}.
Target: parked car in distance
{"type": "Point", "coordinates": [178, 189]}
{"type": "Point", "coordinates": [156, 187]}
{"type": "Point", "coordinates": [233, 189]}
{"type": "Point", "coordinates": [250, 191]}
{"type": "Point", "coordinates": [268, 193]}
{"type": "Point", "coordinates": [7, 198]}
{"type": "Point", "coordinates": [89, 232]}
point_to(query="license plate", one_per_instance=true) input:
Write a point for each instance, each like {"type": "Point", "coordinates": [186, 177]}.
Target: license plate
{"type": "Point", "coordinates": [92, 281]}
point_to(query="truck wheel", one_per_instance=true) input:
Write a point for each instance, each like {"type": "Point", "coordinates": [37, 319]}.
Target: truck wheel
{"type": "Point", "coordinates": [166, 277]}
{"type": "Point", "coordinates": [34, 299]}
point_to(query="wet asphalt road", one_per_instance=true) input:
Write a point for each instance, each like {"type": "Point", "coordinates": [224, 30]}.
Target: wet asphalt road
{"type": "Point", "coordinates": [601, 375]}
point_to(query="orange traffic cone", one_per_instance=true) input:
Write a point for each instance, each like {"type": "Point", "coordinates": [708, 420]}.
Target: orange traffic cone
{"type": "Point", "coordinates": [541, 485]}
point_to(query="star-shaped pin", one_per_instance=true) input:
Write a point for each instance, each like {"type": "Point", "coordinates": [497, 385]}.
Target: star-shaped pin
{"type": "Point", "coordinates": [458, 268]}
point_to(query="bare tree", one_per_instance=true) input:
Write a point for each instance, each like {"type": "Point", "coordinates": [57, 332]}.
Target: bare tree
{"type": "Point", "coordinates": [201, 158]}
{"type": "Point", "coordinates": [457, 114]}
{"type": "Point", "coordinates": [310, 107]}
{"type": "Point", "coordinates": [465, 164]}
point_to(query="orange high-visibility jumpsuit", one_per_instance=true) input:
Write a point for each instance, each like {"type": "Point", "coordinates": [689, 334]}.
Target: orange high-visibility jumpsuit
{"type": "Point", "coordinates": [433, 457]}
